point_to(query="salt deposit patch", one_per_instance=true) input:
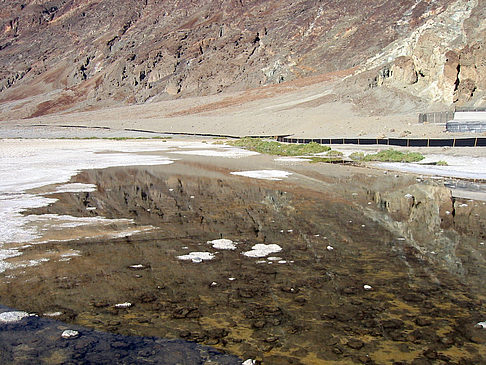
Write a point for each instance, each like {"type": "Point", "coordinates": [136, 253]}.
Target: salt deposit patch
{"type": "Point", "coordinates": [292, 159]}
{"type": "Point", "coordinates": [457, 166]}
{"type": "Point", "coordinates": [481, 325]}
{"type": "Point", "coordinates": [52, 314]}
{"type": "Point", "coordinates": [264, 174]}
{"type": "Point", "coordinates": [23, 264]}
{"type": "Point", "coordinates": [13, 227]}
{"type": "Point", "coordinates": [71, 253]}
{"type": "Point", "coordinates": [123, 305]}
{"type": "Point", "coordinates": [12, 317]}
{"type": "Point", "coordinates": [61, 222]}
{"type": "Point", "coordinates": [249, 362]}
{"type": "Point", "coordinates": [19, 172]}
{"type": "Point", "coordinates": [221, 151]}
{"type": "Point", "coordinates": [6, 254]}
{"type": "Point", "coordinates": [30, 164]}
{"type": "Point", "coordinates": [197, 257]}
{"type": "Point", "coordinates": [45, 163]}
{"type": "Point", "coordinates": [76, 188]}
{"type": "Point", "coordinates": [67, 334]}
{"type": "Point", "coordinates": [262, 250]}
{"type": "Point", "coordinates": [223, 244]}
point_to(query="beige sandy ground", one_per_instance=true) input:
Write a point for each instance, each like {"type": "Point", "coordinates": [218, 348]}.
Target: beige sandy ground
{"type": "Point", "coordinates": [307, 109]}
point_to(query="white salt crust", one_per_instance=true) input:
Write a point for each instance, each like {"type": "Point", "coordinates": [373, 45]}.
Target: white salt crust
{"type": "Point", "coordinates": [223, 244]}
{"type": "Point", "coordinates": [12, 317]}
{"type": "Point", "coordinates": [262, 250]}
{"type": "Point", "coordinates": [264, 174]}
{"type": "Point", "coordinates": [197, 257]}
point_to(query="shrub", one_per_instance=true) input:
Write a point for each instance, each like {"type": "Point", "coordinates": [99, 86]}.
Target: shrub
{"type": "Point", "coordinates": [388, 156]}
{"type": "Point", "coordinates": [280, 149]}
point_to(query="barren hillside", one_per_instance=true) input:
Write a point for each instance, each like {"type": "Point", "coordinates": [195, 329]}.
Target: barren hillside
{"type": "Point", "coordinates": [78, 55]}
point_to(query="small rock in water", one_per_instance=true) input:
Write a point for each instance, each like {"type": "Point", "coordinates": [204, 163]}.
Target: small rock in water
{"type": "Point", "coordinates": [123, 305]}
{"type": "Point", "coordinates": [330, 248]}
{"type": "Point", "coordinates": [367, 287]}
{"type": "Point", "coordinates": [70, 334]}
{"type": "Point", "coordinates": [11, 317]}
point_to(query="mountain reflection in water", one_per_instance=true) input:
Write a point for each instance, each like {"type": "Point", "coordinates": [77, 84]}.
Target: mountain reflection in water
{"type": "Point", "coordinates": [363, 275]}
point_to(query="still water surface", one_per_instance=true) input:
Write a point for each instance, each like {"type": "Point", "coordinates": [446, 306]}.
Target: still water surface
{"type": "Point", "coordinates": [351, 273]}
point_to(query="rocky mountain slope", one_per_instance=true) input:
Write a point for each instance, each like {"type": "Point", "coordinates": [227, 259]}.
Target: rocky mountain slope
{"type": "Point", "coordinates": [68, 55]}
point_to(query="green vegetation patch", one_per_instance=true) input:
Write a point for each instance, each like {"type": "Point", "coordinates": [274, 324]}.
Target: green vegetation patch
{"type": "Point", "coordinates": [280, 149]}
{"type": "Point", "coordinates": [388, 156]}
{"type": "Point", "coordinates": [442, 163]}
{"type": "Point", "coordinates": [334, 153]}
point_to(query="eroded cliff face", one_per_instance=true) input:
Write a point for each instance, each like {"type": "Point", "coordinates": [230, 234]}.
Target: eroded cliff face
{"type": "Point", "coordinates": [65, 55]}
{"type": "Point", "coordinates": [442, 60]}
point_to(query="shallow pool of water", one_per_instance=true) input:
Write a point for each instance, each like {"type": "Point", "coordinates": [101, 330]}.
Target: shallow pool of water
{"type": "Point", "coordinates": [363, 275]}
